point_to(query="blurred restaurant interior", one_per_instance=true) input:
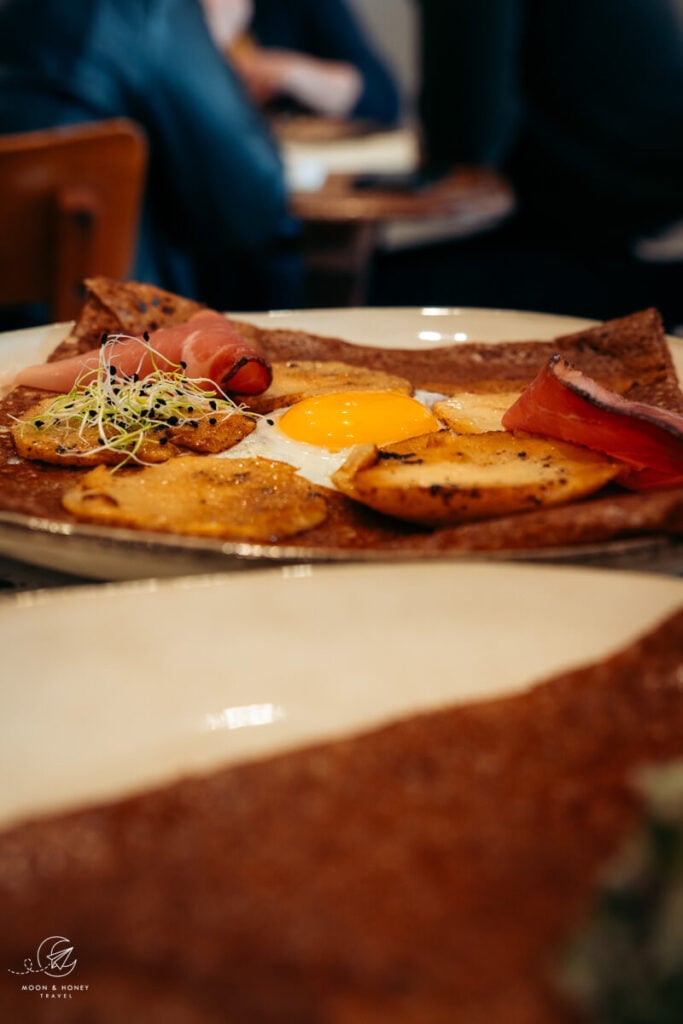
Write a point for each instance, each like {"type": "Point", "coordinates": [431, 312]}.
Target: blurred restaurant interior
{"type": "Point", "coordinates": [458, 173]}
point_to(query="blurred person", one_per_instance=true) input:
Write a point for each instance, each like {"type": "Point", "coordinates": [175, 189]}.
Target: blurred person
{"type": "Point", "coordinates": [214, 211]}
{"type": "Point", "coordinates": [581, 106]}
{"type": "Point", "coordinates": [314, 56]}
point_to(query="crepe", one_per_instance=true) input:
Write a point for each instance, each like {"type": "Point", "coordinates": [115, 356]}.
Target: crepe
{"type": "Point", "coordinates": [628, 355]}
{"type": "Point", "coordinates": [443, 861]}
{"type": "Point", "coordinates": [123, 307]}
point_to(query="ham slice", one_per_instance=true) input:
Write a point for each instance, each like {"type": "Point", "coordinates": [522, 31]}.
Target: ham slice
{"type": "Point", "coordinates": [564, 403]}
{"type": "Point", "coordinates": [210, 347]}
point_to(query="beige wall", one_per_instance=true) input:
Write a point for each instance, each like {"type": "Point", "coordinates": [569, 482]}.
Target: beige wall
{"type": "Point", "coordinates": [392, 25]}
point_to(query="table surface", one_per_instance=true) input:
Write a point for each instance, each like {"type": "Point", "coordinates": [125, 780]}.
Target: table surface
{"type": "Point", "coordinates": [19, 576]}
{"type": "Point", "coordinates": [341, 200]}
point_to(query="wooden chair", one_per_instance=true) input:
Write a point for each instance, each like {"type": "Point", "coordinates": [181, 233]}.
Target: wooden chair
{"type": "Point", "coordinates": [69, 209]}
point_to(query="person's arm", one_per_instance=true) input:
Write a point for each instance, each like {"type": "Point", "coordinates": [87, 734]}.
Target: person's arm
{"type": "Point", "coordinates": [322, 86]}
{"type": "Point", "coordinates": [329, 31]}
{"type": "Point", "coordinates": [468, 103]}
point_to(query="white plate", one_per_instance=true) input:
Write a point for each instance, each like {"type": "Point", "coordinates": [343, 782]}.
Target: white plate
{"type": "Point", "coordinates": [148, 682]}
{"type": "Point", "coordinates": [108, 554]}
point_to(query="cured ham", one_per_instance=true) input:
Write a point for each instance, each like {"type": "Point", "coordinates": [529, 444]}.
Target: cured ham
{"type": "Point", "coordinates": [564, 403]}
{"type": "Point", "coordinates": [208, 346]}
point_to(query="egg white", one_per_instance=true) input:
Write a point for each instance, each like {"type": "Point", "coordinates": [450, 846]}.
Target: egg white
{"type": "Point", "coordinates": [267, 441]}
{"type": "Point", "coordinates": [311, 461]}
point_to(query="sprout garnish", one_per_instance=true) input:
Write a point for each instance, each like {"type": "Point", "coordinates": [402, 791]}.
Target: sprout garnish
{"type": "Point", "coordinates": [126, 407]}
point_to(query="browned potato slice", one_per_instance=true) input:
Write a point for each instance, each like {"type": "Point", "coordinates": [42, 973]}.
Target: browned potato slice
{"type": "Point", "coordinates": [70, 443]}
{"type": "Point", "coordinates": [297, 379]}
{"type": "Point", "coordinates": [471, 413]}
{"type": "Point", "coordinates": [213, 433]}
{"type": "Point", "coordinates": [443, 479]}
{"type": "Point", "coordinates": [238, 499]}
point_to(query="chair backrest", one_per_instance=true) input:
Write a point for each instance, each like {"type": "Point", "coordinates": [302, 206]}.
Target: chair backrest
{"type": "Point", "coordinates": [69, 209]}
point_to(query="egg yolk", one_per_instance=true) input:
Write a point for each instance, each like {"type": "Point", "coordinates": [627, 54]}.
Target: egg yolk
{"type": "Point", "coordinates": [337, 421]}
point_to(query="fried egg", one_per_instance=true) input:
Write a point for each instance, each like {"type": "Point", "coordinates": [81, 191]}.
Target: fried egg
{"type": "Point", "coordinates": [316, 434]}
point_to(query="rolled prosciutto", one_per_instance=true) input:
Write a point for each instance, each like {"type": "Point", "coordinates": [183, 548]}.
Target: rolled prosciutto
{"type": "Point", "coordinates": [564, 403]}
{"type": "Point", "coordinates": [208, 346]}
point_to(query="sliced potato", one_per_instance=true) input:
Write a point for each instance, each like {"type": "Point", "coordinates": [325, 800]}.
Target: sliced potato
{"type": "Point", "coordinates": [238, 499]}
{"type": "Point", "coordinates": [470, 413]}
{"type": "Point", "coordinates": [443, 479]}
{"type": "Point", "coordinates": [297, 379]}
{"type": "Point", "coordinates": [213, 433]}
{"type": "Point", "coordinates": [72, 443]}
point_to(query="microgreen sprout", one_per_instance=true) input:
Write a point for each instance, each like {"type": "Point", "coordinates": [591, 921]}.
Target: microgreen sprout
{"type": "Point", "coordinates": [125, 408]}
